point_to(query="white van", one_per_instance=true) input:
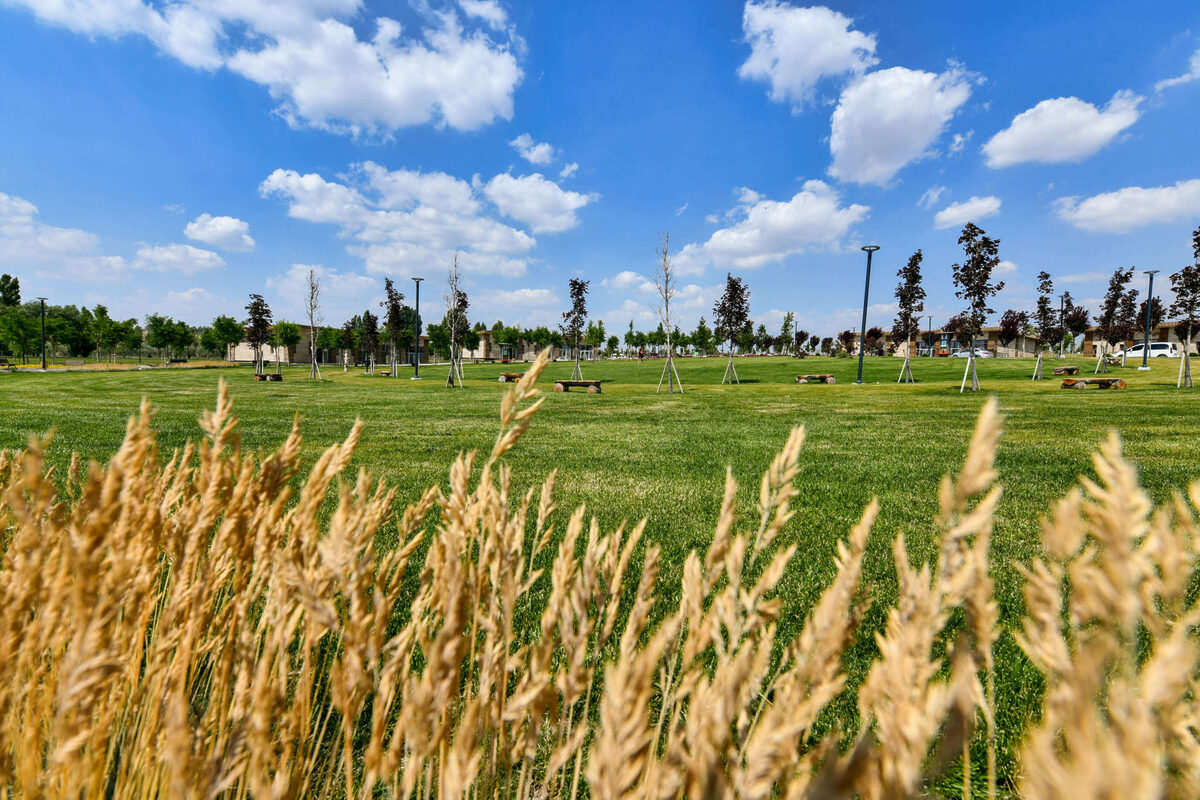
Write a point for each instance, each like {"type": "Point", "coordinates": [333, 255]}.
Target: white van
{"type": "Point", "coordinates": [1157, 350]}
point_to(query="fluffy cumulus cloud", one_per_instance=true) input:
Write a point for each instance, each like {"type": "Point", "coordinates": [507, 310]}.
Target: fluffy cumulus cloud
{"type": "Point", "coordinates": [765, 231]}
{"type": "Point", "coordinates": [400, 222]}
{"type": "Point", "coordinates": [792, 49]}
{"type": "Point", "coordinates": [626, 281]}
{"type": "Point", "coordinates": [459, 69]}
{"type": "Point", "coordinates": [971, 210]}
{"type": "Point", "coordinates": [1193, 74]}
{"type": "Point", "coordinates": [1064, 129]}
{"type": "Point", "coordinates": [342, 293]}
{"type": "Point", "coordinates": [539, 153]}
{"type": "Point", "coordinates": [1133, 207]}
{"type": "Point", "coordinates": [227, 233]}
{"type": "Point", "coordinates": [67, 253]}
{"type": "Point", "coordinates": [889, 118]}
{"type": "Point", "coordinates": [176, 259]}
{"type": "Point", "coordinates": [540, 203]}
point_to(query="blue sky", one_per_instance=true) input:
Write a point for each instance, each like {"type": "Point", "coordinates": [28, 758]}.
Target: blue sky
{"type": "Point", "coordinates": [175, 157]}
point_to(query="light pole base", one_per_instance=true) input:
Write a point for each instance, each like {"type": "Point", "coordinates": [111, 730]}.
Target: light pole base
{"type": "Point", "coordinates": [1143, 369]}
{"type": "Point", "coordinates": [858, 383]}
{"type": "Point", "coordinates": [416, 378]}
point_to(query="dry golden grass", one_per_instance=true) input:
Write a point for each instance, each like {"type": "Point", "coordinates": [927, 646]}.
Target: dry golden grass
{"type": "Point", "coordinates": [191, 630]}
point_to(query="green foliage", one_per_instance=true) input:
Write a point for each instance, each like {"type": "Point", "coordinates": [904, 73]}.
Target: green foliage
{"type": "Point", "coordinates": [10, 291]}
{"type": "Point", "coordinates": [973, 277]}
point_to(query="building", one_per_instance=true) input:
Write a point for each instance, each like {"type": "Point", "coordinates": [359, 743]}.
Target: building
{"type": "Point", "coordinates": [944, 343]}
{"type": "Point", "coordinates": [1094, 345]}
{"type": "Point", "coordinates": [301, 353]}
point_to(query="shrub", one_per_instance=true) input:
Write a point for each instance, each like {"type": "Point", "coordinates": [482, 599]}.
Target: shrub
{"type": "Point", "coordinates": [190, 629]}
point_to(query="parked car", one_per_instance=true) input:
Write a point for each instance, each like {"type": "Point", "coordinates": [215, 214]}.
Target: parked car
{"type": "Point", "coordinates": [966, 353]}
{"type": "Point", "coordinates": [1157, 350]}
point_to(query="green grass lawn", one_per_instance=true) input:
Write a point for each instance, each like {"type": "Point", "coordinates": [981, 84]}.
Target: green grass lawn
{"type": "Point", "coordinates": [629, 453]}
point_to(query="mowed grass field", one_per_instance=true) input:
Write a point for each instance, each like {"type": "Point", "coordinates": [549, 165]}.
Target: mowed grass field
{"type": "Point", "coordinates": [629, 453]}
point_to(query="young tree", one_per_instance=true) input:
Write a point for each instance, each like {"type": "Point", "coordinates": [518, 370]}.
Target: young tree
{"type": "Point", "coordinates": [731, 315]}
{"type": "Point", "coordinates": [312, 306]}
{"type": "Point", "coordinates": [284, 336]}
{"type": "Point", "coordinates": [814, 343]}
{"type": "Point", "coordinates": [973, 279]}
{"type": "Point", "coordinates": [800, 340]}
{"type": "Point", "coordinates": [1186, 310]}
{"type": "Point", "coordinates": [227, 333]}
{"type": "Point", "coordinates": [664, 282]}
{"type": "Point", "coordinates": [846, 339]}
{"type": "Point", "coordinates": [702, 337]}
{"type": "Point", "coordinates": [631, 338]}
{"type": "Point", "coordinates": [160, 333]}
{"type": "Point", "coordinates": [910, 302]}
{"type": "Point", "coordinates": [257, 328]}
{"type": "Point", "coordinates": [1046, 315]}
{"type": "Point", "coordinates": [575, 319]}
{"type": "Point", "coordinates": [351, 341]}
{"type": "Point", "coordinates": [827, 345]}
{"type": "Point", "coordinates": [10, 291]}
{"type": "Point", "coordinates": [874, 335]}
{"type": "Point", "coordinates": [1127, 318]}
{"type": "Point", "coordinates": [1157, 312]}
{"type": "Point", "coordinates": [787, 331]}
{"type": "Point", "coordinates": [370, 338]}
{"type": "Point", "coordinates": [392, 304]}
{"type": "Point", "coordinates": [19, 330]}
{"type": "Point", "coordinates": [1013, 325]}
{"type": "Point", "coordinates": [1076, 319]}
{"type": "Point", "coordinates": [1108, 322]}
{"type": "Point", "coordinates": [456, 322]}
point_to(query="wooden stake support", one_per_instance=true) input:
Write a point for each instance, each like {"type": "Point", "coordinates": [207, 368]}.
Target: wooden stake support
{"type": "Point", "coordinates": [668, 373]}
{"type": "Point", "coordinates": [731, 376]}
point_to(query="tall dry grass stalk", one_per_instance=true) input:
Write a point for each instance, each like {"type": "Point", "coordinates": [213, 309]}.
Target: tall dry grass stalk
{"type": "Point", "coordinates": [193, 630]}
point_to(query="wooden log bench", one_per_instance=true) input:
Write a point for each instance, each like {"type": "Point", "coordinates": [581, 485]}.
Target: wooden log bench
{"type": "Point", "coordinates": [1099, 383]}
{"type": "Point", "coordinates": [385, 374]}
{"type": "Point", "coordinates": [593, 387]}
{"type": "Point", "coordinates": [1066, 370]}
{"type": "Point", "coordinates": [509, 377]}
{"type": "Point", "coordinates": [815, 379]}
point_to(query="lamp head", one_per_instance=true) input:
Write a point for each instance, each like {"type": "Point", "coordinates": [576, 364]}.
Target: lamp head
{"type": "Point", "coordinates": [43, 299]}
{"type": "Point", "coordinates": [870, 248]}
{"type": "Point", "coordinates": [1150, 272]}
{"type": "Point", "coordinates": [418, 280]}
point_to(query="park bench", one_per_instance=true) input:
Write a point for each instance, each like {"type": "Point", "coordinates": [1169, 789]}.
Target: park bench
{"type": "Point", "coordinates": [815, 379]}
{"type": "Point", "coordinates": [508, 377]}
{"type": "Point", "coordinates": [178, 360]}
{"type": "Point", "coordinates": [4, 362]}
{"type": "Point", "coordinates": [74, 363]}
{"type": "Point", "coordinates": [1099, 383]}
{"type": "Point", "coordinates": [387, 373]}
{"type": "Point", "coordinates": [593, 387]}
{"type": "Point", "coordinates": [1066, 370]}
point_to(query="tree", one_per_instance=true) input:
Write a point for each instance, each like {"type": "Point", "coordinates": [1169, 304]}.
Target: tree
{"type": "Point", "coordinates": [370, 337]}
{"type": "Point", "coordinates": [1186, 309]}
{"type": "Point", "coordinates": [702, 337]}
{"type": "Point", "coordinates": [973, 279]}
{"type": "Point", "coordinates": [351, 340]}
{"type": "Point", "coordinates": [257, 328]}
{"type": "Point", "coordinates": [575, 319]}
{"type": "Point", "coordinates": [959, 328]}
{"type": "Point", "coordinates": [1046, 316]}
{"type": "Point", "coordinates": [1157, 312]}
{"type": "Point", "coordinates": [800, 340]}
{"type": "Point", "coordinates": [787, 331]}
{"type": "Point", "coordinates": [611, 345]}
{"type": "Point", "coordinates": [1076, 319]}
{"type": "Point", "coordinates": [392, 306]}
{"type": "Point", "coordinates": [827, 345]}
{"type": "Point", "coordinates": [19, 330]}
{"type": "Point", "coordinates": [664, 282]}
{"type": "Point", "coordinates": [227, 332]}
{"type": "Point", "coordinates": [1109, 323]}
{"type": "Point", "coordinates": [1013, 325]}
{"type": "Point", "coordinates": [910, 302]}
{"type": "Point", "coordinates": [814, 342]}
{"type": "Point", "coordinates": [631, 337]}
{"type": "Point", "coordinates": [285, 336]}
{"type": "Point", "coordinates": [10, 291]}
{"type": "Point", "coordinates": [1127, 318]}
{"type": "Point", "coordinates": [874, 335]}
{"type": "Point", "coordinates": [846, 340]}
{"type": "Point", "coordinates": [160, 331]}
{"type": "Point", "coordinates": [312, 306]}
{"type": "Point", "coordinates": [730, 315]}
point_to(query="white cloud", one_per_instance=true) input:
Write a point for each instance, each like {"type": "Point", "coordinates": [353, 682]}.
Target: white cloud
{"type": "Point", "coordinates": [539, 153]}
{"type": "Point", "coordinates": [568, 170]}
{"type": "Point", "coordinates": [681, 209]}
{"type": "Point", "coordinates": [1132, 207]}
{"type": "Point", "coordinates": [404, 222]}
{"type": "Point", "coordinates": [52, 252]}
{"type": "Point", "coordinates": [972, 210]}
{"type": "Point", "coordinates": [889, 118]}
{"type": "Point", "coordinates": [1082, 277]}
{"type": "Point", "coordinates": [626, 280]}
{"type": "Point", "coordinates": [539, 298]}
{"type": "Point", "coordinates": [342, 293]}
{"type": "Point", "coordinates": [1193, 74]}
{"type": "Point", "coordinates": [542, 204]}
{"type": "Point", "coordinates": [960, 141]}
{"type": "Point", "coordinates": [195, 302]}
{"type": "Point", "coordinates": [526, 307]}
{"type": "Point", "coordinates": [770, 230]}
{"type": "Point", "coordinates": [308, 55]}
{"type": "Point", "coordinates": [1064, 129]}
{"type": "Point", "coordinates": [930, 197]}
{"type": "Point", "coordinates": [793, 49]}
{"type": "Point", "coordinates": [182, 259]}
{"type": "Point", "coordinates": [228, 233]}
{"type": "Point", "coordinates": [1006, 268]}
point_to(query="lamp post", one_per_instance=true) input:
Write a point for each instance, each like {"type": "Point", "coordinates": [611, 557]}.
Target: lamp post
{"type": "Point", "coordinates": [1149, 305]}
{"type": "Point", "coordinates": [862, 340]}
{"type": "Point", "coordinates": [930, 318]}
{"type": "Point", "coordinates": [1062, 323]}
{"type": "Point", "coordinates": [43, 301]}
{"type": "Point", "coordinates": [417, 334]}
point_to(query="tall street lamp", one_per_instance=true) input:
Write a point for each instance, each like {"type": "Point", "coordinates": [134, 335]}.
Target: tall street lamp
{"type": "Point", "coordinates": [1149, 305]}
{"type": "Point", "coordinates": [862, 340]}
{"type": "Point", "coordinates": [930, 318]}
{"type": "Point", "coordinates": [417, 334]}
{"type": "Point", "coordinates": [43, 300]}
